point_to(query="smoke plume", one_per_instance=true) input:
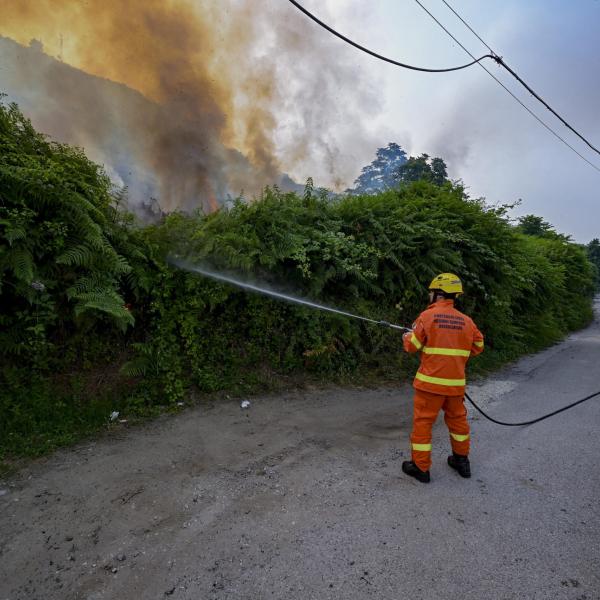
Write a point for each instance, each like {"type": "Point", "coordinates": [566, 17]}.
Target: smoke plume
{"type": "Point", "coordinates": [187, 101]}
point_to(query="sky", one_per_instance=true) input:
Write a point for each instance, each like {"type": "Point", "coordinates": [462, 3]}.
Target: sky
{"type": "Point", "coordinates": [270, 92]}
{"type": "Point", "coordinates": [486, 138]}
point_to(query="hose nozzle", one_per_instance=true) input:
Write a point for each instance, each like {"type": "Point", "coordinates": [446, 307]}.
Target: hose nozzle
{"type": "Point", "coordinates": [392, 325]}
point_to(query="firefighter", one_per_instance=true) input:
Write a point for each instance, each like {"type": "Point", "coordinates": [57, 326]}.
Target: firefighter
{"type": "Point", "coordinates": [446, 338]}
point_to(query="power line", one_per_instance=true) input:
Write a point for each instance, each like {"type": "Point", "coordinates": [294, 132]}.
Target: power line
{"type": "Point", "coordinates": [543, 123]}
{"type": "Point", "coordinates": [500, 61]}
{"type": "Point", "coordinates": [379, 56]}
{"type": "Point", "coordinates": [493, 56]}
{"type": "Point", "coordinates": [469, 27]}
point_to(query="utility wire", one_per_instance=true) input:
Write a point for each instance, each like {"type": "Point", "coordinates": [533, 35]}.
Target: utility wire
{"type": "Point", "coordinates": [469, 27]}
{"type": "Point", "coordinates": [544, 124]}
{"type": "Point", "coordinates": [501, 62]}
{"type": "Point", "coordinates": [379, 56]}
{"type": "Point", "coordinates": [493, 56]}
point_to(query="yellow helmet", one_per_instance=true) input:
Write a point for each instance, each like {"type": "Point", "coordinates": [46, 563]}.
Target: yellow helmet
{"type": "Point", "coordinates": [447, 282]}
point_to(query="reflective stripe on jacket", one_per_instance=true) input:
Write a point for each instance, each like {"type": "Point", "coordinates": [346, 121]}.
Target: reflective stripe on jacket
{"type": "Point", "coordinates": [446, 338]}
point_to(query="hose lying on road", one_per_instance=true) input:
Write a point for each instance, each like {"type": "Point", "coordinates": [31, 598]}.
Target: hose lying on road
{"type": "Point", "coordinates": [533, 420]}
{"type": "Point", "coordinates": [519, 424]}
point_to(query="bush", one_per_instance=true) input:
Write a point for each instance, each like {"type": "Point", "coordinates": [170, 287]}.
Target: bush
{"type": "Point", "coordinates": [373, 255]}
{"type": "Point", "coordinates": [70, 263]}
{"type": "Point", "coordinates": [62, 243]}
{"type": "Point", "coordinates": [75, 270]}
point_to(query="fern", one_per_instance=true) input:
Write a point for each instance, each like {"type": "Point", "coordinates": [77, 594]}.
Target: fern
{"type": "Point", "coordinates": [14, 233]}
{"type": "Point", "coordinates": [58, 223]}
{"type": "Point", "coordinates": [89, 284]}
{"type": "Point", "coordinates": [79, 256]}
{"type": "Point", "coordinates": [121, 265]}
{"type": "Point", "coordinates": [145, 362]}
{"type": "Point", "coordinates": [107, 302]}
{"type": "Point", "coordinates": [21, 263]}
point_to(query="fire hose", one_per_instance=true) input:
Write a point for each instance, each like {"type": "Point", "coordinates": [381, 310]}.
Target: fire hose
{"type": "Point", "coordinates": [522, 423]}
{"type": "Point", "coordinates": [294, 299]}
{"type": "Point", "coordinates": [504, 423]}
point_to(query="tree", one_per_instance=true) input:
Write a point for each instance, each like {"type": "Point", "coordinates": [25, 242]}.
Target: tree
{"type": "Point", "coordinates": [534, 225]}
{"type": "Point", "coordinates": [381, 173]}
{"type": "Point", "coordinates": [593, 252]}
{"type": "Point", "coordinates": [422, 169]}
{"type": "Point", "coordinates": [438, 171]}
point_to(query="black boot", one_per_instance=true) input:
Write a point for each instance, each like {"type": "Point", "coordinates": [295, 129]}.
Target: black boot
{"type": "Point", "coordinates": [409, 467]}
{"type": "Point", "coordinates": [461, 464]}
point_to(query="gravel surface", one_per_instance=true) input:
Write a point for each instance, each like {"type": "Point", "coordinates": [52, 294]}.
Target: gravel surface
{"type": "Point", "coordinates": [301, 496]}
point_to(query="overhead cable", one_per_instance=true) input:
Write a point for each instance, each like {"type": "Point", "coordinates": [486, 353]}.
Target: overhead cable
{"type": "Point", "coordinates": [543, 123]}
{"type": "Point", "coordinates": [469, 27]}
{"type": "Point", "coordinates": [379, 56]}
{"type": "Point", "coordinates": [501, 62]}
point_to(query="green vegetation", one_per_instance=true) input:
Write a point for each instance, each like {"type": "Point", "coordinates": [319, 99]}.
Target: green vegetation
{"type": "Point", "coordinates": [94, 319]}
{"type": "Point", "coordinates": [67, 258]}
{"type": "Point", "coordinates": [423, 168]}
{"type": "Point", "coordinates": [392, 168]}
{"type": "Point", "coordinates": [593, 251]}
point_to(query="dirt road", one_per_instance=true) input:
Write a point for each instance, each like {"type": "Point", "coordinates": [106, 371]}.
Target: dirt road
{"type": "Point", "coordinates": [301, 496]}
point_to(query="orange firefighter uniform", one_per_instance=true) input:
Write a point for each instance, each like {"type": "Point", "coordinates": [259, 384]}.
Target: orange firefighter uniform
{"type": "Point", "coordinates": [446, 338]}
